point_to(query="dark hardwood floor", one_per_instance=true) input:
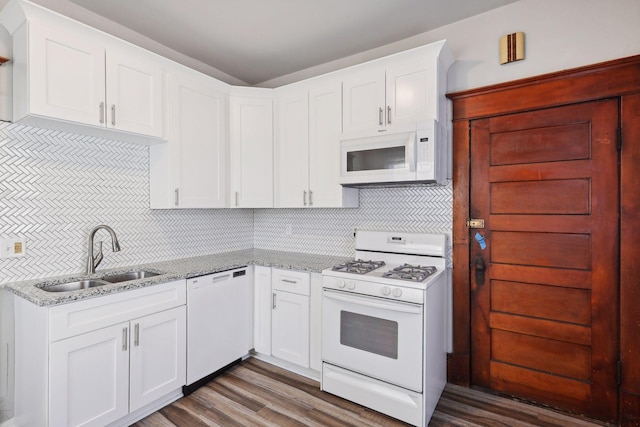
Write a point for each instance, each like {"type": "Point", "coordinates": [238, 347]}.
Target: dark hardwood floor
{"type": "Point", "coordinates": [255, 393]}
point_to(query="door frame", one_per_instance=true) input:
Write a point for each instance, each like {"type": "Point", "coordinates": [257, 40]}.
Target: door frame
{"type": "Point", "coordinates": [618, 78]}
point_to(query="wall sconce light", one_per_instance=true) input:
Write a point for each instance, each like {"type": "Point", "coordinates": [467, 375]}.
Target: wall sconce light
{"type": "Point", "coordinates": [511, 48]}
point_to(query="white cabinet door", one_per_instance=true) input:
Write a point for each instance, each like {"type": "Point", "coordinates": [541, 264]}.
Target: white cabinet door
{"type": "Point", "coordinates": [89, 378]}
{"type": "Point", "coordinates": [198, 143]}
{"type": "Point", "coordinates": [251, 141]}
{"type": "Point", "coordinates": [364, 107]}
{"type": "Point", "coordinates": [325, 126]}
{"type": "Point", "coordinates": [292, 149]}
{"type": "Point", "coordinates": [158, 356]}
{"type": "Point", "coordinates": [290, 328]}
{"type": "Point", "coordinates": [134, 91]}
{"type": "Point", "coordinates": [262, 305]}
{"type": "Point", "coordinates": [411, 91]}
{"type": "Point", "coordinates": [65, 79]}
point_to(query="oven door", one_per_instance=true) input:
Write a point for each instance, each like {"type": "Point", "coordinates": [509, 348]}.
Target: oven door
{"type": "Point", "coordinates": [376, 337]}
{"type": "Point", "coordinates": [384, 158]}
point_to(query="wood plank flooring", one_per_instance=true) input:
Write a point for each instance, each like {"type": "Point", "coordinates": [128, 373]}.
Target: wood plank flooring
{"type": "Point", "coordinates": [255, 393]}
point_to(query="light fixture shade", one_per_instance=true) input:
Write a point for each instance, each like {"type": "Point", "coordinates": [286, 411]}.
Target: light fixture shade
{"type": "Point", "coordinates": [511, 48]}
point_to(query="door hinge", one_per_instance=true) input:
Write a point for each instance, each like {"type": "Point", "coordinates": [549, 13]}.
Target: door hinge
{"type": "Point", "coordinates": [475, 223]}
{"type": "Point", "coordinates": [619, 372]}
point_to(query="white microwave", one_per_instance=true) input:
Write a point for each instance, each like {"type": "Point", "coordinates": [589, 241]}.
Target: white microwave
{"type": "Point", "coordinates": [413, 155]}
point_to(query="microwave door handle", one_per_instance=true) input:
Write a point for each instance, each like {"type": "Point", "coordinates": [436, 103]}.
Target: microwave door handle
{"type": "Point", "coordinates": [394, 306]}
{"type": "Point", "coordinates": [411, 153]}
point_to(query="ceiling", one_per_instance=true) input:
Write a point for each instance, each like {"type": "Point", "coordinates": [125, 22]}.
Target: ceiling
{"type": "Point", "coordinates": [259, 40]}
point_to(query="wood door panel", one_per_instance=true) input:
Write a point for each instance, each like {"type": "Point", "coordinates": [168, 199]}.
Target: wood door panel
{"type": "Point", "coordinates": [576, 334]}
{"type": "Point", "coordinates": [541, 223]}
{"type": "Point", "coordinates": [541, 145]}
{"type": "Point", "coordinates": [579, 279]}
{"type": "Point", "coordinates": [545, 302]}
{"type": "Point", "coordinates": [560, 250]}
{"type": "Point", "coordinates": [541, 171]}
{"type": "Point", "coordinates": [542, 354]}
{"type": "Point", "coordinates": [541, 197]}
{"type": "Point", "coordinates": [559, 391]}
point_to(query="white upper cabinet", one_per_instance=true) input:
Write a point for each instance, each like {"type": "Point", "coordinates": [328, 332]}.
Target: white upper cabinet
{"type": "Point", "coordinates": [190, 171]}
{"type": "Point", "coordinates": [251, 148]}
{"type": "Point", "coordinates": [292, 157]}
{"type": "Point", "coordinates": [325, 125]}
{"type": "Point", "coordinates": [134, 91]}
{"type": "Point", "coordinates": [364, 100]}
{"type": "Point", "coordinates": [67, 74]}
{"type": "Point", "coordinates": [396, 91]}
{"type": "Point", "coordinates": [308, 147]}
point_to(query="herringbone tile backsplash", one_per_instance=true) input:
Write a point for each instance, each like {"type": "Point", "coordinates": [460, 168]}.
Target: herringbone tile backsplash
{"type": "Point", "coordinates": [426, 209]}
{"type": "Point", "coordinates": [55, 187]}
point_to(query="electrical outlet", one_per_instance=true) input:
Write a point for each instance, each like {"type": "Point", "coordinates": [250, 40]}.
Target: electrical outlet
{"type": "Point", "coordinates": [288, 229]}
{"type": "Point", "coordinates": [12, 247]}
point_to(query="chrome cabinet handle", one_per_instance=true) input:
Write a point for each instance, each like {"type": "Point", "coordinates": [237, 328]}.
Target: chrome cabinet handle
{"type": "Point", "coordinates": [237, 198]}
{"type": "Point", "coordinates": [102, 112]}
{"type": "Point", "coordinates": [125, 338]}
{"type": "Point", "coordinates": [304, 197]}
{"type": "Point", "coordinates": [310, 198]}
{"type": "Point", "coordinates": [389, 114]}
{"type": "Point", "coordinates": [113, 114]}
{"type": "Point", "coordinates": [273, 301]}
{"type": "Point", "coordinates": [380, 116]}
{"type": "Point", "coordinates": [289, 281]}
{"type": "Point", "coordinates": [176, 197]}
{"type": "Point", "coordinates": [136, 335]}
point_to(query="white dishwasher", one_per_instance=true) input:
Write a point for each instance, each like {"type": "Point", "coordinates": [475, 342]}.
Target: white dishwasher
{"type": "Point", "coordinates": [219, 323]}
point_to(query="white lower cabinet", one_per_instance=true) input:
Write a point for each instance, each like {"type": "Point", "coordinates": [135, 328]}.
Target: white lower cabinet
{"type": "Point", "coordinates": [290, 316]}
{"type": "Point", "coordinates": [89, 378]}
{"type": "Point", "coordinates": [157, 356]}
{"type": "Point", "coordinates": [287, 316]}
{"type": "Point", "coordinates": [101, 376]}
{"type": "Point", "coordinates": [101, 360]}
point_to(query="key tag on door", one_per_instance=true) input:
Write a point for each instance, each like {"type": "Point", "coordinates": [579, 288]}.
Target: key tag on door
{"type": "Point", "coordinates": [480, 239]}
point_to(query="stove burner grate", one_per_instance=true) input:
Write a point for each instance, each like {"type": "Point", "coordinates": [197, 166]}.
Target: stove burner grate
{"type": "Point", "coordinates": [414, 273]}
{"type": "Point", "coordinates": [358, 266]}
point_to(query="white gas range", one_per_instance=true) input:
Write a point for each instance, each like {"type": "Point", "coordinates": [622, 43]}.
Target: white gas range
{"type": "Point", "coordinates": [383, 324]}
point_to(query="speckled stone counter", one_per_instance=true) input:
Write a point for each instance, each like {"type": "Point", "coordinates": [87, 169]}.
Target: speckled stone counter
{"type": "Point", "coordinates": [32, 291]}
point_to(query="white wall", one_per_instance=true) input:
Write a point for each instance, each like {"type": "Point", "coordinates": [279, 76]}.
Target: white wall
{"type": "Point", "coordinates": [559, 34]}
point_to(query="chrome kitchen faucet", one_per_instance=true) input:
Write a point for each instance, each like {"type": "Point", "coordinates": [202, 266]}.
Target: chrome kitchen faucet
{"type": "Point", "coordinates": [94, 261]}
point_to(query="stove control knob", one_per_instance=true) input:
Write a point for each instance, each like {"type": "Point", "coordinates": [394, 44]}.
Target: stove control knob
{"type": "Point", "coordinates": [386, 290]}
{"type": "Point", "coordinates": [397, 292]}
{"type": "Point", "coordinates": [341, 283]}
{"type": "Point", "coordinates": [351, 286]}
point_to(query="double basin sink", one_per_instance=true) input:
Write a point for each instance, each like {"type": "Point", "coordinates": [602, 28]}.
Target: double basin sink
{"type": "Point", "coordinates": [106, 280]}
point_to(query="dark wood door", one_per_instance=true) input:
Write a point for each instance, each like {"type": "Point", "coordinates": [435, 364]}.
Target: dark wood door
{"type": "Point", "coordinates": [544, 322]}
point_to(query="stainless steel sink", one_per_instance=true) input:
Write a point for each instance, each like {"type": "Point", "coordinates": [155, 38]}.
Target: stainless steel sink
{"type": "Point", "coordinates": [133, 275]}
{"type": "Point", "coordinates": [75, 286]}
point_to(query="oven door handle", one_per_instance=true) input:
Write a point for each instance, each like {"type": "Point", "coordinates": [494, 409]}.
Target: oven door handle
{"type": "Point", "coordinates": [370, 302]}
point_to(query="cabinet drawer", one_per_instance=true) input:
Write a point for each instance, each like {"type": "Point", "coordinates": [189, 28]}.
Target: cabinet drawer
{"type": "Point", "coordinates": [291, 281]}
{"type": "Point", "coordinates": [79, 317]}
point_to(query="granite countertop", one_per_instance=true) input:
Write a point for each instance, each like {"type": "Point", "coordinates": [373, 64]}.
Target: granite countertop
{"type": "Point", "coordinates": [185, 268]}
